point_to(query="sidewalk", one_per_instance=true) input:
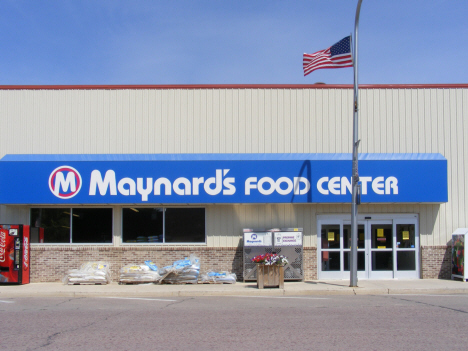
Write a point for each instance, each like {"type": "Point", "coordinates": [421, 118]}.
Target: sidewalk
{"type": "Point", "coordinates": [320, 288]}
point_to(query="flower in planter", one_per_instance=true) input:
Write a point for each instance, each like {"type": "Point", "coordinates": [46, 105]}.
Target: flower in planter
{"type": "Point", "coordinates": [270, 259]}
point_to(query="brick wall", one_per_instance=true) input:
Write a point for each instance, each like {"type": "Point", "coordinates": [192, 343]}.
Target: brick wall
{"type": "Point", "coordinates": [49, 263]}
{"type": "Point", "coordinates": [310, 263]}
{"type": "Point", "coordinates": [436, 262]}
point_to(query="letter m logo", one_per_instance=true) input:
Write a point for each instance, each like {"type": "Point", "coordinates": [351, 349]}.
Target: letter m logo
{"type": "Point", "coordinates": [65, 182]}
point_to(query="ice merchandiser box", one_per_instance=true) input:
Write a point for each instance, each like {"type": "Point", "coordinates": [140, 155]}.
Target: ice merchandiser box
{"type": "Point", "coordinates": [14, 254]}
{"type": "Point", "coordinates": [459, 237]}
{"type": "Point", "coordinates": [282, 241]}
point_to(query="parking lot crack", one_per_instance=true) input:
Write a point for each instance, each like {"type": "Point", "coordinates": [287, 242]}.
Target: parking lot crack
{"type": "Point", "coordinates": [51, 338]}
{"type": "Point", "coordinates": [177, 302]}
{"type": "Point", "coordinates": [431, 305]}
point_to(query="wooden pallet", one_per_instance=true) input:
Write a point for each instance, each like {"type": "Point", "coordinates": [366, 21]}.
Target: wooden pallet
{"type": "Point", "coordinates": [177, 283]}
{"type": "Point", "coordinates": [162, 278]}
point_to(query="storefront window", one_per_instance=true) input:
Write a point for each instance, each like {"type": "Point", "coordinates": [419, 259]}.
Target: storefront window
{"type": "Point", "coordinates": [185, 225]}
{"type": "Point", "coordinates": [330, 236]}
{"type": "Point", "coordinates": [74, 225]}
{"type": "Point", "coordinates": [92, 225]}
{"type": "Point", "coordinates": [142, 225]}
{"type": "Point", "coordinates": [382, 236]}
{"type": "Point", "coordinates": [405, 236]}
{"type": "Point", "coordinates": [55, 221]}
{"type": "Point", "coordinates": [163, 225]}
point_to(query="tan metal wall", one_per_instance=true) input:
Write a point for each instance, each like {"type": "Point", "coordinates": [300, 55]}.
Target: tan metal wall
{"type": "Point", "coordinates": [223, 220]}
{"type": "Point", "coordinates": [176, 121]}
{"type": "Point", "coordinates": [251, 120]}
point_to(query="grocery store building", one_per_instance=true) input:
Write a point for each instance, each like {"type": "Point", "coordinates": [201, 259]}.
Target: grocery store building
{"type": "Point", "coordinates": [129, 173]}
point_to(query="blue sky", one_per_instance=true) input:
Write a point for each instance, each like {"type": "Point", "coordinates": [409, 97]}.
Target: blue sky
{"type": "Point", "coordinates": [228, 41]}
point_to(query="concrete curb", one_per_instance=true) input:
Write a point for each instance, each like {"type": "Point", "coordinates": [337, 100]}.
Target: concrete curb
{"type": "Point", "coordinates": [394, 287]}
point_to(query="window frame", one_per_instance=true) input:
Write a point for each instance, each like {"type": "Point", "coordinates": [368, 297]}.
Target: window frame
{"type": "Point", "coordinates": [70, 208]}
{"type": "Point", "coordinates": [163, 243]}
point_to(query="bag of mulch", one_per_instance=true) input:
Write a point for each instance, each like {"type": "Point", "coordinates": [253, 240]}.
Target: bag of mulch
{"type": "Point", "coordinates": [89, 272]}
{"type": "Point", "coordinates": [218, 277]}
{"type": "Point", "coordinates": [135, 273]}
{"type": "Point", "coordinates": [182, 271]}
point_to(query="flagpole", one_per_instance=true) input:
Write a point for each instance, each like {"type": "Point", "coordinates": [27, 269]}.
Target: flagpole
{"type": "Point", "coordinates": [355, 173]}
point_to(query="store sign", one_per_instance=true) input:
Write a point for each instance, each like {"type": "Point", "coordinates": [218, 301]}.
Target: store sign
{"type": "Point", "coordinates": [288, 238]}
{"type": "Point", "coordinates": [257, 239]}
{"type": "Point", "coordinates": [54, 179]}
{"type": "Point", "coordinates": [65, 182]}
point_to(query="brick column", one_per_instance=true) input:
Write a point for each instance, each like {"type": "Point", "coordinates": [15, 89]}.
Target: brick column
{"type": "Point", "coordinates": [436, 262]}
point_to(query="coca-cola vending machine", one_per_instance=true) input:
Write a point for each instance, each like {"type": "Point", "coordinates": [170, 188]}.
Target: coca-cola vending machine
{"type": "Point", "coordinates": [36, 235]}
{"type": "Point", "coordinates": [14, 254]}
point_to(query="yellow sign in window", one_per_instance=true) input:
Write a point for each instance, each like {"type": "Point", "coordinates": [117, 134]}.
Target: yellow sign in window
{"type": "Point", "coordinates": [331, 236]}
{"type": "Point", "coordinates": [380, 233]}
{"type": "Point", "coordinates": [405, 235]}
{"type": "Point", "coordinates": [381, 247]}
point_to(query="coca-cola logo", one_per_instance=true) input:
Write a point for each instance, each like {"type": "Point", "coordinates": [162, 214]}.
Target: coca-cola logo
{"type": "Point", "coordinates": [2, 245]}
{"type": "Point", "coordinates": [26, 252]}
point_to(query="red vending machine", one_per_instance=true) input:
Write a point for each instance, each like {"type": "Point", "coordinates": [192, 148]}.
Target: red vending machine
{"type": "Point", "coordinates": [14, 254]}
{"type": "Point", "coordinates": [36, 235]}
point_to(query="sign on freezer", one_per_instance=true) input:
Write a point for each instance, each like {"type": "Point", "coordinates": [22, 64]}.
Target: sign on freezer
{"type": "Point", "coordinates": [258, 239]}
{"type": "Point", "coordinates": [288, 238]}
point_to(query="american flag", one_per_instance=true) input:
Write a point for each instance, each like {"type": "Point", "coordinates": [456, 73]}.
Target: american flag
{"type": "Point", "coordinates": [336, 56]}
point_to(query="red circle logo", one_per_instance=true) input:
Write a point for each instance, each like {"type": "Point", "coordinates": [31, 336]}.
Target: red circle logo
{"type": "Point", "coordinates": [65, 182]}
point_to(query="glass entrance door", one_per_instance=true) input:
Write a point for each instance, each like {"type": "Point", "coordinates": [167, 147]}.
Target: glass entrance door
{"type": "Point", "coordinates": [406, 249]}
{"type": "Point", "coordinates": [387, 248]}
{"type": "Point", "coordinates": [331, 253]}
{"type": "Point", "coordinates": [374, 249]}
{"type": "Point", "coordinates": [380, 236]}
{"type": "Point", "coordinates": [361, 250]}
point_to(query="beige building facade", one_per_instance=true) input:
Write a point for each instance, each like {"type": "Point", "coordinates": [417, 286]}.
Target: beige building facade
{"type": "Point", "coordinates": [242, 120]}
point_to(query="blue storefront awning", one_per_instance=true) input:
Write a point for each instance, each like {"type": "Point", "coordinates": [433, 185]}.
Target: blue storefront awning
{"type": "Point", "coordinates": [220, 178]}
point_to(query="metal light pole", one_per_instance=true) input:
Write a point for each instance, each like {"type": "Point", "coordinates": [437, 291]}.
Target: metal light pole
{"type": "Point", "coordinates": [355, 178]}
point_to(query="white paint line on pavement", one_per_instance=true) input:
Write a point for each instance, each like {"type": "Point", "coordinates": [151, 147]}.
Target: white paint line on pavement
{"type": "Point", "coordinates": [136, 298]}
{"type": "Point", "coordinates": [3, 301]}
{"type": "Point", "coordinates": [425, 295]}
{"type": "Point", "coordinates": [283, 297]}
